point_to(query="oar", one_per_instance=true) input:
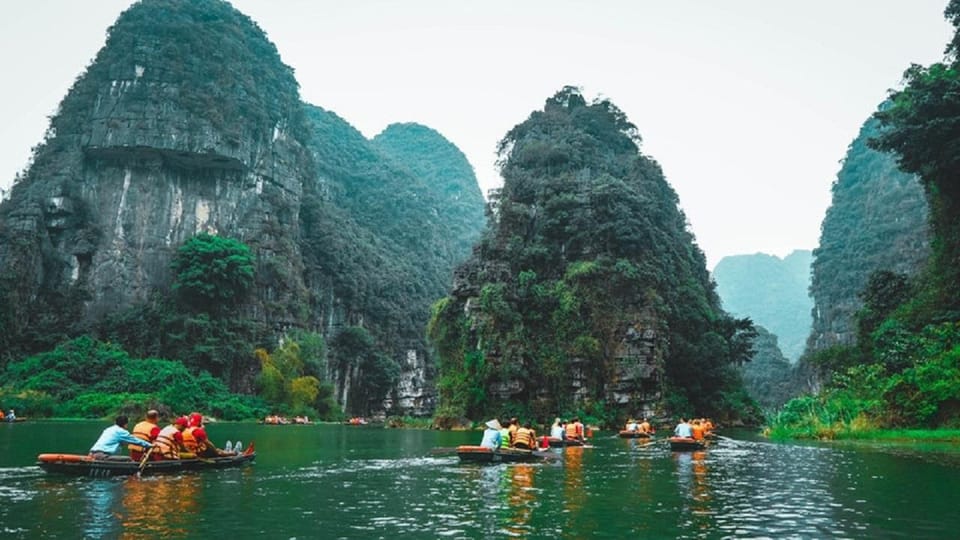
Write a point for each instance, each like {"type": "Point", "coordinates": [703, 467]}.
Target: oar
{"type": "Point", "coordinates": [648, 443]}
{"type": "Point", "coordinates": [144, 459]}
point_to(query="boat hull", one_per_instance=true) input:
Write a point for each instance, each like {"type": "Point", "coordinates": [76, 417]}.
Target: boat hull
{"type": "Point", "coordinates": [686, 443]}
{"type": "Point", "coordinates": [559, 443]}
{"type": "Point", "coordinates": [79, 465]}
{"type": "Point", "coordinates": [482, 454]}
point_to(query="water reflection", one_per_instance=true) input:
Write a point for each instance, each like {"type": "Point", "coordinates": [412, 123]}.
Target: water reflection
{"type": "Point", "coordinates": [100, 499]}
{"type": "Point", "coordinates": [575, 496]}
{"type": "Point", "coordinates": [520, 497]}
{"type": "Point", "coordinates": [693, 483]}
{"type": "Point", "coordinates": [158, 506]}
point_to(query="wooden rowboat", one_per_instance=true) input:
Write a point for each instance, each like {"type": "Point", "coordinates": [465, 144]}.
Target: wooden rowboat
{"type": "Point", "coordinates": [482, 454]}
{"type": "Point", "coordinates": [625, 434]}
{"type": "Point", "coordinates": [83, 465]}
{"type": "Point", "coordinates": [686, 443]}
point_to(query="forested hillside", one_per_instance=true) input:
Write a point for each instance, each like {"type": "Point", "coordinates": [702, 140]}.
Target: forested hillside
{"type": "Point", "coordinates": [877, 221]}
{"type": "Point", "coordinates": [772, 292]}
{"type": "Point", "coordinates": [769, 377]}
{"type": "Point", "coordinates": [587, 293]}
{"type": "Point", "coordinates": [902, 369]}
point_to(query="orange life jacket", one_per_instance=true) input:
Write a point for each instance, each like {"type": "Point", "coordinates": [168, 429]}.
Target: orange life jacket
{"type": "Point", "coordinates": [189, 442]}
{"type": "Point", "coordinates": [573, 431]}
{"type": "Point", "coordinates": [167, 442]}
{"type": "Point", "coordinates": [525, 437]}
{"type": "Point", "coordinates": [142, 431]}
{"type": "Point", "coordinates": [697, 430]}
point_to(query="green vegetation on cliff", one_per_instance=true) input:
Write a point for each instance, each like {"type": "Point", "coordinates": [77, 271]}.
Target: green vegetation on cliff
{"type": "Point", "coordinates": [585, 256]}
{"type": "Point", "coordinates": [903, 370]}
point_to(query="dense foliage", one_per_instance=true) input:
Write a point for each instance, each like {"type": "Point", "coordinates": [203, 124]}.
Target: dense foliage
{"type": "Point", "coordinates": [211, 52]}
{"type": "Point", "coordinates": [92, 379]}
{"type": "Point", "coordinates": [382, 232]}
{"type": "Point", "coordinates": [877, 221]}
{"type": "Point", "coordinates": [768, 376]}
{"type": "Point", "coordinates": [213, 273]}
{"type": "Point", "coordinates": [586, 248]}
{"type": "Point", "coordinates": [904, 368]}
{"type": "Point", "coordinates": [773, 292]}
{"type": "Point", "coordinates": [290, 385]}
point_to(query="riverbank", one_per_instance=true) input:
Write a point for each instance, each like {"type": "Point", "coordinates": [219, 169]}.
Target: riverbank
{"type": "Point", "coordinates": [851, 433]}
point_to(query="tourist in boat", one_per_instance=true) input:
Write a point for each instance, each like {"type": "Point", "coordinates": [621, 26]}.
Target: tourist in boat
{"type": "Point", "coordinates": [632, 425]}
{"type": "Point", "coordinates": [11, 416]}
{"type": "Point", "coordinates": [170, 439]}
{"type": "Point", "coordinates": [683, 429]}
{"type": "Point", "coordinates": [145, 430]}
{"type": "Point", "coordinates": [696, 430]}
{"type": "Point", "coordinates": [205, 448]}
{"type": "Point", "coordinates": [194, 422]}
{"type": "Point", "coordinates": [513, 427]}
{"type": "Point", "coordinates": [525, 437]}
{"type": "Point", "coordinates": [575, 429]}
{"type": "Point", "coordinates": [112, 437]}
{"type": "Point", "coordinates": [491, 435]}
{"type": "Point", "coordinates": [645, 427]}
{"type": "Point", "coordinates": [556, 430]}
{"type": "Point", "coordinates": [504, 437]}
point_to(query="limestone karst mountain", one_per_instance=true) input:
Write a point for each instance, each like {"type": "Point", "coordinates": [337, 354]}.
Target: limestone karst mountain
{"type": "Point", "coordinates": [773, 292]}
{"type": "Point", "coordinates": [187, 121]}
{"type": "Point", "coordinates": [587, 291]}
{"type": "Point", "coordinates": [877, 220]}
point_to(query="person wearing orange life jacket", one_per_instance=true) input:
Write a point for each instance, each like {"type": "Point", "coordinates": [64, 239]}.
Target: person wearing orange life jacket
{"type": "Point", "coordinates": [525, 437]}
{"type": "Point", "coordinates": [145, 430]}
{"type": "Point", "coordinates": [575, 429]}
{"type": "Point", "coordinates": [194, 421]}
{"type": "Point", "coordinates": [696, 429]}
{"type": "Point", "coordinates": [170, 439]}
{"type": "Point", "coordinates": [205, 448]}
{"type": "Point", "coordinates": [645, 426]}
{"type": "Point", "coordinates": [513, 426]}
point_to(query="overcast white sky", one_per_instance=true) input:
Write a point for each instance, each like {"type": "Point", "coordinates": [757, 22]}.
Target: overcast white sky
{"type": "Point", "coordinates": [748, 105]}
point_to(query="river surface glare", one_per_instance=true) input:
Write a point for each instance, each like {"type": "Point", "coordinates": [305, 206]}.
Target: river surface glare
{"type": "Point", "coordinates": [335, 481]}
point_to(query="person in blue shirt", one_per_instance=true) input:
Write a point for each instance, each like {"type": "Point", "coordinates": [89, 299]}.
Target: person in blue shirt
{"type": "Point", "coordinates": [111, 438]}
{"type": "Point", "coordinates": [683, 429]}
{"type": "Point", "coordinates": [491, 436]}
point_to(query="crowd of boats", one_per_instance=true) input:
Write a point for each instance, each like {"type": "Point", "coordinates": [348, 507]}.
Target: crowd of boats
{"type": "Point", "coordinates": [519, 443]}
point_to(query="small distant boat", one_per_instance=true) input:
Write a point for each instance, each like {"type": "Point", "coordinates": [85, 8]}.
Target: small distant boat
{"type": "Point", "coordinates": [83, 465]}
{"type": "Point", "coordinates": [627, 434]}
{"type": "Point", "coordinates": [482, 454]}
{"type": "Point", "coordinates": [687, 443]}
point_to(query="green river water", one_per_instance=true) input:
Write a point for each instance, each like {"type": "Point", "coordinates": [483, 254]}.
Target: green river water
{"type": "Point", "coordinates": [335, 481]}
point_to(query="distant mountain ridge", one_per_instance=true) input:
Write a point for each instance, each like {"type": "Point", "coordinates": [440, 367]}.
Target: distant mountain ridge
{"type": "Point", "coordinates": [772, 292]}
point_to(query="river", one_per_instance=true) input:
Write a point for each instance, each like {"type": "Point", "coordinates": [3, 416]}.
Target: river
{"type": "Point", "coordinates": [335, 481]}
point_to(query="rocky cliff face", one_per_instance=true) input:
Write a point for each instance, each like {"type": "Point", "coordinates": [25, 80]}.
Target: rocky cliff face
{"type": "Point", "coordinates": [877, 220]}
{"type": "Point", "coordinates": [186, 122]}
{"type": "Point", "coordinates": [133, 165]}
{"type": "Point", "coordinates": [586, 288]}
